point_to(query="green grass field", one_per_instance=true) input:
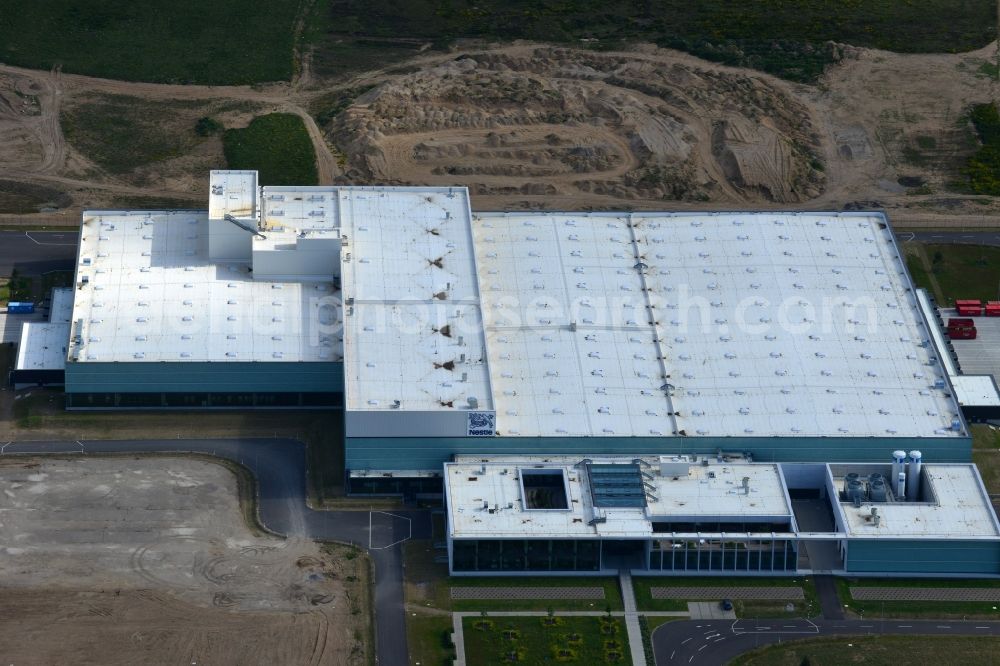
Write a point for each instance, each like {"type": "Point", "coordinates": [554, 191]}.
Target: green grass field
{"type": "Point", "coordinates": [181, 41]}
{"type": "Point", "coordinates": [122, 133]}
{"type": "Point", "coordinates": [277, 145]}
{"type": "Point", "coordinates": [986, 455]}
{"type": "Point", "coordinates": [429, 640]}
{"type": "Point", "coordinates": [230, 42]}
{"type": "Point", "coordinates": [785, 37]}
{"type": "Point", "coordinates": [881, 650]}
{"type": "Point", "coordinates": [532, 640]}
{"type": "Point", "coordinates": [18, 197]}
{"type": "Point", "coordinates": [962, 271]}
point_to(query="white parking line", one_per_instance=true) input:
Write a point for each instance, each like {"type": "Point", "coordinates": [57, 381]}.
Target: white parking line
{"type": "Point", "coordinates": [409, 524]}
{"type": "Point", "coordinates": [37, 242]}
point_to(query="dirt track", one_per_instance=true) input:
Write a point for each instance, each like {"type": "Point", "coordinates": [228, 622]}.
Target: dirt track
{"type": "Point", "coordinates": [128, 561]}
{"type": "Point", "coordinates": [528, 126]}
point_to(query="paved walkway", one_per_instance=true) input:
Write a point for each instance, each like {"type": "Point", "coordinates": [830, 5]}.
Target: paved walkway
{"type": "Point", "coordinates": [721, 592]}
{"type": "Point", "coordinates": [632, 618]}
{"type": "Point", "coordinates": [829, 598]}
{"type": "Point", "coordinates": [709, 610]}
{"type": "Point", "coordinates": [988, 594]}
{"type": "Point", "coordinates": [458, 638]}
{"type": "Point", "coordinates": [480, 593]}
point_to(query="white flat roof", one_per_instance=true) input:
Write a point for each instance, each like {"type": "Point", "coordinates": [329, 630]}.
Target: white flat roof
{"type": "Point", "coordinates": [412, 323]}
{"type": "Point", "coordinates": [61, 311]}
{"type": "Point", "coordinates": [976, 390]}
{"type": "Point", "coordinates": [300, 209]}
{"type": "Point", "coordinates": [43, 346]}
{"type": "Point", "coordinates": [233, 193]}
{"type": "Point", "coordinates": [711, 492]}
{"type": "Point", "coordinates": [147, 291]}
{"type": "Point", "coordinates": [961, 509]}
{"type": "Point", "coordinates": [714, 324]}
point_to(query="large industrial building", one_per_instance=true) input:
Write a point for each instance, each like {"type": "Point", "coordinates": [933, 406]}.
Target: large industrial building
{"type": "Point", "coordinates": [758, 357]}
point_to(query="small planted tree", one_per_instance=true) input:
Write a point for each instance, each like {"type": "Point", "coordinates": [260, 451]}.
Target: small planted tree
{"type": "Point", "coordinates": [483, 623]}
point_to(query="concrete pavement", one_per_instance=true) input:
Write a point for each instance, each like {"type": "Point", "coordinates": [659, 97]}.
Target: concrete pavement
{"type": "Point", "coordinates": [279, 466]}
{"type": "Point", "coordinates": [632, 626]}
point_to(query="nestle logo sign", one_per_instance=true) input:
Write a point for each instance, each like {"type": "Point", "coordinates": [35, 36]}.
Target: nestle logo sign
{"type": "Point", "coordinates": [482, 424]}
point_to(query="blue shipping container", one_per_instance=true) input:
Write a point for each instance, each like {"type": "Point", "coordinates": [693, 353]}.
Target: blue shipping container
{"type": "Point", "coordinates": [20, 308]}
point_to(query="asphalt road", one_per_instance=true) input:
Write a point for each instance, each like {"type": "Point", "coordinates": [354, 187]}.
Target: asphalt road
{"type": "Point", "coordinates": [960, 237]}
{"type": "Point", "coordinates": [712, 642]}
{"type": "Point", "coordinates": [280, 468]}
{"type": "Point", "coordinates": [37, 252]}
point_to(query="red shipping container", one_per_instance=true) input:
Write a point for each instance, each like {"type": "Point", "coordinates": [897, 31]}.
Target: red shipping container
{"type": "Point", "coordinates": [969, 307]}
{"type": "Point", "coordinates": [962, 333]}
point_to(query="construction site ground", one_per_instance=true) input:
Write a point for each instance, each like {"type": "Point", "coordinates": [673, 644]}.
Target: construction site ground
{"type": "Point", "coordinates": [127, 560]}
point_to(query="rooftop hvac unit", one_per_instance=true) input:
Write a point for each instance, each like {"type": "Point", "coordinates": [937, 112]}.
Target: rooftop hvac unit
{"type": "Point", "coordinates": [855, 491]}
{"type": "Point", "coordinates": [674, 466]}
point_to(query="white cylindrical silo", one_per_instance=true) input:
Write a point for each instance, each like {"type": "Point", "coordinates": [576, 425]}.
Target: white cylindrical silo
{"type": "Point", "coordinates": [901, 486]}
{"type": "Point", "coordinates": [898, 464]}
{"type": "Point", "coordinates": [913, 477]}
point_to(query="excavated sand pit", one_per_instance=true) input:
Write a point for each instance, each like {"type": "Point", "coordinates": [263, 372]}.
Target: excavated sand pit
{"type": "Point", "coordinates": [549, 121]}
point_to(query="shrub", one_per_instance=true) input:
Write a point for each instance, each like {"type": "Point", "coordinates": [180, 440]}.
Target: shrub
{"type": "Point", "coordinates": [983, 168]}
{"type": "Point", "coordinates": [208, 126]}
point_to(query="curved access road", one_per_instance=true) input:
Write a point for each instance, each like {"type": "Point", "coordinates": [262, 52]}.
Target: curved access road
{"type": "Point", "coordinates": [717, 642]}
{"type": "Point", "coordinates": [280, 468]}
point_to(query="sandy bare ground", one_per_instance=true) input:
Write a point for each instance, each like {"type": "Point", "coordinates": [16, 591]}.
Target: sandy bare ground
{"type": "Point", "coordinates": [126, 561]}
{"type": "Point", "coordinates": [534, 126]}
{"type": "Point", "coordinates": [700, 135]}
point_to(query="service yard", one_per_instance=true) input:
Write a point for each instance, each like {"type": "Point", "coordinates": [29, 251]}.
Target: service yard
{"type": "Point", "coordinates": [126, 560]}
